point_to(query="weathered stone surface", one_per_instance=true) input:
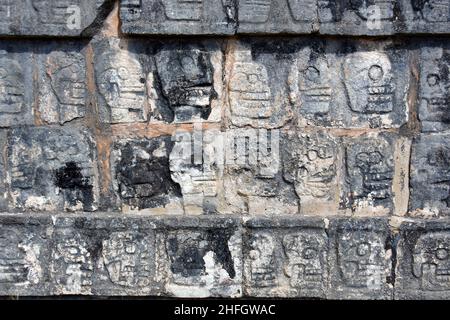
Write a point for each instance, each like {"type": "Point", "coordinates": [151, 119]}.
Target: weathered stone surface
{"type": "Point", "coordinates": [178, 17]}
{"type": "Point", "coordinates": [318, 82]}
{"type": "Point", "coordinates": [434, 88]}
{"type": "Point", "coordinates": [197, 165]}
{"type": "Point", "coordinates": [368, 183]}
{"type": "Point", "coordinates": [253, 182]}
{"type": "Point", "coordinates": [312, 161]}
{"type": "Point", "coordinates": [138, 81]}
{"type": "Point", "coordinates": [52, 169]}
{"type": "Point", "coordinates": [360, 259]}
{"type": "Point", "coordinates": [103, 256]}
{"type": "Point", "coordinates": [62, 82]}
{"type": "Point", "coordinates": [52, 17]}
{"type": "Point", "coordinates": [201, 257]}
{"type": "Point", "coordinates": [16, 93]}
{"type": "Point", "coordinates": [25, 246]}
{"type": "Point", "coordinates": [430, 179]}
{"type": "Point", "coordinates": [343, 17]}
{"type": "Point", "coordinates": [286, 258]}
{"type": "Point", "coordinates": [423, 268]}
{"type": "Point", "coordinates": [142, 176]}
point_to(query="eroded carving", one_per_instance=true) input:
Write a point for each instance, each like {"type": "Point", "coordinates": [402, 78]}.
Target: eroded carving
{"type": "Point", "coordinates": [306, 259]}
{"type": "Point", "coordinates": [143, 173]}
{"type": "Point", "coordinates": [435, 89]}
{"type": "Point", "coordinates": [432, 10]}
{"type": "Point", "coordinates": [254, 11]}
{"type": "Point", "coordinates": [431, 261]}
{"type": "Point", "coordinates": [361, 258]}
{"type": "Point", "coordinates": [262, 261]}
{"type": "Point", "coordinates": [312, 165]}
{"type": "Point", "coordinates": [370, 169]}
{"type": "Point", "coordinates": [187, 81]}
{"type": "Point", "coordinates": [369, 82]}
{"type": "Point", "coordinates": [72, 264]}
{"type": "Point", "coordinates": [122, 84]}
{"type": "Point", "coordinates": [52, 169]}
{"type": "Point", "coordinates": [127, 259]}
{"type": "Point", "coordinates": [12, 87]}
{"type": "Point", "coordinates": [430, 174]}
{"type": "Point", "coordinates": [250, 94]}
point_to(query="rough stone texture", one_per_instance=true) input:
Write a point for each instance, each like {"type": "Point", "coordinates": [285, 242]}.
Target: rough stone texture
{"type": "Point", "coordinates": [52, 169]}
{"type": "Point", "coordinates": [246, 155]}
{"type": "Point", "coordinates": [286, 258]}
{"type": "Point", "coordinates": [342, 17]}
{"type": "Point", "coordinates": [430, 179]}
{"type": "Point", "coordinates": [138, 81]}
{"type": "Point", "coordinates": [52, 17]}
{"type": "Point", "coordinates": [178, 17]}
{"type": "Point", "coordinates": [423, 268]}
{"type": "Point", "coordinates": [360, 261]}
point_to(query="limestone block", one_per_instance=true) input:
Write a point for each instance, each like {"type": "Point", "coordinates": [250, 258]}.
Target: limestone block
{"type": "Point", "coordinates": [360, 259]}
{"type": "Point", "coordinates": [429, 176]}
{"type": "Point", "coordinates": [178, 17]}
{"type": "Point", "coordinates": [423, 261]}
{"type": "Point", "coordinates": [52, 17]}
{"type": "Point", "coordinates": [286, 257]}
{"type": "Point", "coordinates": [52, 169]}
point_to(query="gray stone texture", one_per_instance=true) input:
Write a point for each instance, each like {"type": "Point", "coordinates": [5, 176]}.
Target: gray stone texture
{"type": "Point", "coordinates": [341, 17]}
{"type": "Point", "coordinates": [423, 268]}
{"type": "Point", "coordinates": [52, 17]}
{"type": "Point", "coordinates": [225, 148]}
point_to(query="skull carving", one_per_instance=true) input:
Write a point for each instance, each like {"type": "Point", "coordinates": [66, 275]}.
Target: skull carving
{"type": "Point", "coordinates": [316, 167]}
{"type": "Point", "coordinates": [191, 10]}
{"type": "Point", "coordinates": [370, 165]}
{"type": "Point", "coordinates": [126, 259]}
{"type": "Point", "coordinates": [131, 9]}
{"type": "Point", "coordinates": [369, 82]}
{"type": "Point", "coordinates": [123, 86]}
{"type": "Point", "coordinates": [68, 81]}
{"type": "Point", "coordinates": [373, 9]}
{"type": "Point", "coordinates": [262, 261]}
{"type": "Point", "coordinates": [432, 10]}
{"type": "Point", "coordinates": [12, 89]}
{"type": "Point", "coordinates": [431, 261]}
{"type": "Point", "coordinates": [307, 257]}
{"type": "Point", "coordinates": [187, 81]}
{"type": "Point", "coordinates": [254, 11]}
{"type": "Point", "coordinates": [52, 12]}
{"type": "Point", "coordinates": [361, 258]}
{"type": "Point", "coordinates": [304, 10]}
{"type": "Point", "coordinates": [72, 264]}
{"type": "Point", "coordinates": [435, 87]}
{"type": "Point", "coordinates": [250, 94]}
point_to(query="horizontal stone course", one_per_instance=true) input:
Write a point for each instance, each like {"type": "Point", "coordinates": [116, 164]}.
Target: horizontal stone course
{"type": "Point", "coordinates": [303, 257]}
{"type": "Point", "coordinates": [343, 17]}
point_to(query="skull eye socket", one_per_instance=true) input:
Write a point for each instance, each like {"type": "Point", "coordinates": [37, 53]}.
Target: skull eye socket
{"type": "Point", "coordinates": [309, 253]}
{"type": "Point", "coordinates": [433, 80]}
{"type": "Point", "coordinates": [312, 155]}
{"type": "Point", "coordinates": [376, 73]}
{"type": "Point", "coordinates": [442, 254]}
{"type": "Point", "coordinates": [312, 74]}
{"type": "Point", "coordinates": [363, 249]}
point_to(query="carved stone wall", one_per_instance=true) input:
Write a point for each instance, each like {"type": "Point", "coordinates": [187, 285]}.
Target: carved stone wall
{"type": "Point", "coordinates": [225, 148]}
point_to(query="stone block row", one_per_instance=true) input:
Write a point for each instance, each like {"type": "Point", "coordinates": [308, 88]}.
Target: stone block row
{"type": "Point", "coordinates": [372, 17]}
{"type": "Point", "coordinates": [335, 258]}
{"type": "Point", "coordinates": [261, 83]}
{"type": "Point", "coordinates": [299, 126]}
{"type": "Point", "coordinates": [226, 17]}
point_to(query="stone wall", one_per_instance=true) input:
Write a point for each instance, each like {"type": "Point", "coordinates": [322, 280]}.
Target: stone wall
{"type": "Point", "coordinates": [225, 148]}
